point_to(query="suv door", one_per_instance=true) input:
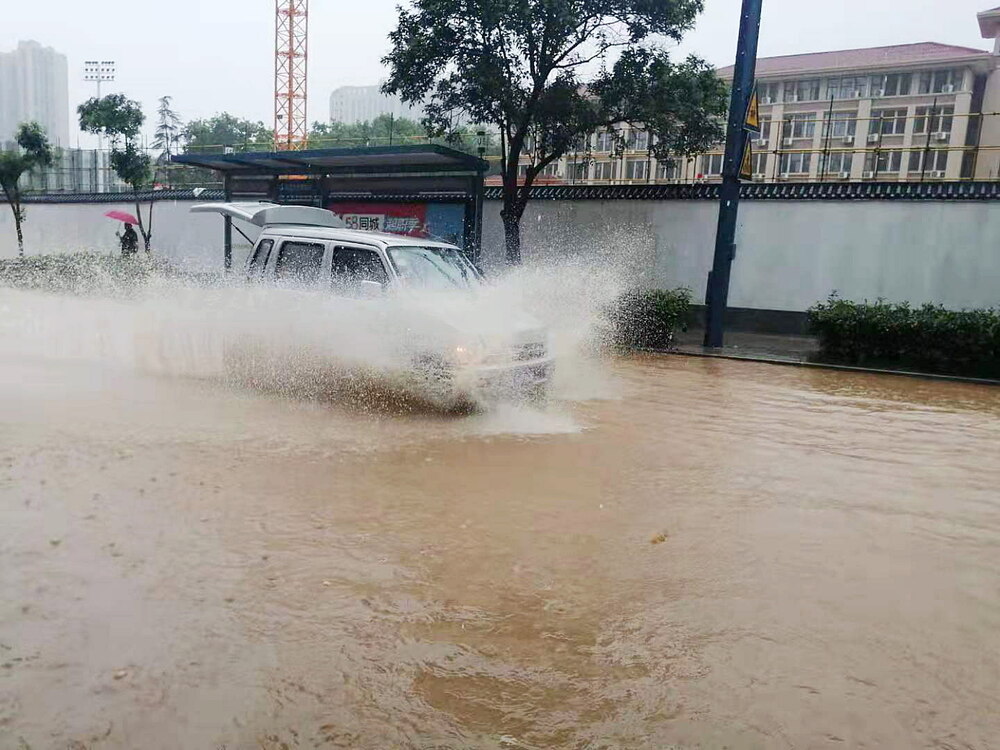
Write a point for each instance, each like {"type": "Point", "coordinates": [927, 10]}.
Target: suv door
{"type": "Point", "coordinates": [299, 262]}
{"type": "Point", "coordinates": [257, 260]}
{"type": "Point", "coordinates": [352, 264]}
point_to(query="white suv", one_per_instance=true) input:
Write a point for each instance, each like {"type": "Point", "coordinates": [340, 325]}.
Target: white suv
{"type": "Point", "coordinates": [456, 354]}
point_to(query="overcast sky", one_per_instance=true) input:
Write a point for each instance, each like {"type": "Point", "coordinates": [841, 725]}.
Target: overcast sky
{"type": "Point", "coordinates": [216, 55]}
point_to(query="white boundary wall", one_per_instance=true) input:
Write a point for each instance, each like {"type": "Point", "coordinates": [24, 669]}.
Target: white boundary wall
{"type": "Point", "coordinates": [789, 254]}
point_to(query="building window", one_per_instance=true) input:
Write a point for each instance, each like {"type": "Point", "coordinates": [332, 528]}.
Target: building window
{"type": "Point", "coordinates": [758, 163]}
{"type": "Point", "coordinates": [529, 145]}
{"type": "Point", "coordinates": [795, 163]}
{"type": "Point", "coordinates": [605, 142]}
{"type": "Point", "coordinates": [802, 91]}
{"type": "Point", "coordinates": [579, 145]}
{"type": "Point", "coordinates": [638, 140]}
{"type": "Point", "coordinates": [711, 164]}
{"type": "Point", "coordinates": [893, 84]}
{"type": "Point", "coordinates": [522, 171]}
{"type": "Point", "coordinates": [884, 161]}
{"type": "Point", "coordinates": [849, 87]}
{"type": "Point", "coordinates": [840, 124]}
{"type": "Point", "coordinates": [636, 169]}
{"type": "Point", "coordinates": [668, 170]}
{"type": "Point", "coordinates": [578, 171]}
{"type": "Point", "coordinates": [940, 119]}
{"type": "Point", "coordinates": [550, 170]}
{"type": "Point", "coordinates": [801, 125]}
{"type": "Point", "coordinates": [837, 162]}
{"type": "Point", "coordinates": [940, 81]}
{"type": "Point", "coordinates": [765, 127]}
{"type": "Point", "coordinates": [888, 121]}
{"type": "Point", "coordinates": [768, 93]}
{"type": "Point", "coordinates": [605, 170]}
{"type": "Point", "coordinates": [936, 160]}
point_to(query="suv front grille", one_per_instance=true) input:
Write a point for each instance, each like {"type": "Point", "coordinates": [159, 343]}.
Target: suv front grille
{"type": "Point", "coordinates": [524, 352]}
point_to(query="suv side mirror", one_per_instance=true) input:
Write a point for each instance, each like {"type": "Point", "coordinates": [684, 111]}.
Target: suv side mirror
{"type": "Point", "coordinates": [370, 289]}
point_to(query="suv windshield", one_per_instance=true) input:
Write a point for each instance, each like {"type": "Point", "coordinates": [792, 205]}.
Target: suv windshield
{"type": "Point", "coordinates": [434, 267]}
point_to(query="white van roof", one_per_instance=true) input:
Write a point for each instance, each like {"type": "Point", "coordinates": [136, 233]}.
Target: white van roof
{"type": "Point", "coordinates": [265, 214]}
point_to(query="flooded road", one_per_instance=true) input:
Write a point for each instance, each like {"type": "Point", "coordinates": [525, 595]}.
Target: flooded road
{"type": "Point", "coordinates": [710, 554]}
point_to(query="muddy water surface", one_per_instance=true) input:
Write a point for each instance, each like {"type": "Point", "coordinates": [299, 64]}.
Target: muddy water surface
{"type": "Point", "coordinates": [713, 554]}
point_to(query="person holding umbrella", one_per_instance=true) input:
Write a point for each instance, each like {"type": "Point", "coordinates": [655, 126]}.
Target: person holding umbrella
{"type": "Point", "coordinates": [129, 239]}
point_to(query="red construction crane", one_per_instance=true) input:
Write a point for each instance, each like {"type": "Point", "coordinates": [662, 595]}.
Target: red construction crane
{"type": "Point", "coordinates": [291, 29]}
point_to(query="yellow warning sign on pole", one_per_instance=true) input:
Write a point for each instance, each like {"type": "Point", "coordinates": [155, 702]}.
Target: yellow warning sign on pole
{"type": "Point", "coordinates": [746, 164]}
{"type": "Point", "coordinates": [752, 120]}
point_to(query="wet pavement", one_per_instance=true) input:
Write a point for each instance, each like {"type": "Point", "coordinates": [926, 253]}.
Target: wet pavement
{"type": "Point", "coordinates": [709, 554]}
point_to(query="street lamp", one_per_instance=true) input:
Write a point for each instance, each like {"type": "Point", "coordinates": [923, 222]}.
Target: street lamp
{"type": "Point", "coordinates": [97, 71]}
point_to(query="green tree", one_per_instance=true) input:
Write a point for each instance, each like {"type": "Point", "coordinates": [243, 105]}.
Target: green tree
{"type": "Point", "coordinates": [168, 128]}
{"type": "Point", "coordinates": [213, 134]}
{"type": "Point", "coordinates": [33, 150]}
{"type": "Point", "coordinates": [384, 130]}
{"type": "Point", "coordinates": [119, 119]}
{"type": "Point", "coordinates": [537, 71]}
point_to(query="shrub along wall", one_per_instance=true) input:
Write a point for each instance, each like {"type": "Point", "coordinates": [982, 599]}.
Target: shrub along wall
{"type": "Point", "coordinates": [929, 338]}
{"type": "Point", "coordinates": [649, 319]}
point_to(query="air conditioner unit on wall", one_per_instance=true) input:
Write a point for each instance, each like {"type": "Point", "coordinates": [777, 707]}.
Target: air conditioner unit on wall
{"type": "Point", "coordinates": [942, 136]}
{"type": "Point", "coordinates": [785, 175]}
{"type": "Point", "coordinates": [761, 143]}
{"type": "Point", "coordinates": [937, 174]}
{"type": "Point", "coordinates": [848, 139]}
{"type": "Point", "coordinates": [948, 88]}
{"type": "Point", "coordinates": [878, 92]}
{"type": "Point", "coordinates": [787, 141]}
{"type": "Point", "coordinates": [869, 175]}
{"type": "Point", "coordinates": [792, 98]}
{"type": "Point", "coordinates": [759, 176]}
{"type": "Point", "coordinates": [767, 100]}
{"type": "Point", "coordinates": [873, 137]}
{"type": "Point", "coordinates": [845, 175]}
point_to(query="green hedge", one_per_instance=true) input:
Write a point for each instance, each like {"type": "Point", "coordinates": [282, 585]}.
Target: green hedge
{"type": "Point", "coordinates": [649, 319]}
{"type": "Point", "coordinates": [897, 336]}
{"type": "Point", "coordinates": [84, 273]}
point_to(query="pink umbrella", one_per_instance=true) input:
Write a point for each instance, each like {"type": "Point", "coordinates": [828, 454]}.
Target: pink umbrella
{"type": "Point", "coordinates": [122, 216]}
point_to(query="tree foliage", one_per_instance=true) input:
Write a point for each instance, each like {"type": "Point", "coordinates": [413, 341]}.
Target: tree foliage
{"type": "Point", "coordinates": [213, 134]}
{"type": "Point", "coordinates": [119, 119]}
{"type": "Point", "coordinates": [168, 128]}
{"type": "Point", "coordinates": [541, 73]}
{"type": "Point", "coordinates": [382, 131]}
{"type": "Point", "coordinates": [33, 150]}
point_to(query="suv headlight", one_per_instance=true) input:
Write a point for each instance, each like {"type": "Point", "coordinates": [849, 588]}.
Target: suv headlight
{"type": "Point", "coordinates": [471, 353]}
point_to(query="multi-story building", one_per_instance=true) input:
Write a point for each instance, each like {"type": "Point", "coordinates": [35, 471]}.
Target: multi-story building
{"type": "Point", "coordinates": [923, 111]}
{"type": "Point", "coordinates": [352, 104]}
{"type": "Point", "coordinates": [34, 87]}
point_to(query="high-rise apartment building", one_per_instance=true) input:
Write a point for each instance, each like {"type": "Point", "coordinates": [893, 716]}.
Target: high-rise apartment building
{"type": "Point", "coordinates": [923, 111]}
{"type": "Point", "coordinates": [34, 86]}
{"type": "Point", "coordinates": [352, 104]}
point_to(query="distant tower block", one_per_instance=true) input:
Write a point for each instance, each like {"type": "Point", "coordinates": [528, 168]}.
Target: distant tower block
{"type": "Point", "coordinates": [291, 28]}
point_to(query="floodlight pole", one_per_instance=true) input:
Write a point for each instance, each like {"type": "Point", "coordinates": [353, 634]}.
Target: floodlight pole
{"type": "Point", "coordinates": [717, 292]}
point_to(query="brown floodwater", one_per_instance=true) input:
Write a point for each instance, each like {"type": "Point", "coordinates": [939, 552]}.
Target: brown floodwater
{"type": "Point", "coordinates": [709, 554]}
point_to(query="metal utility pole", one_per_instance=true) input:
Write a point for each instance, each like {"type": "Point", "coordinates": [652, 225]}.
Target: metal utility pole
{"type": "Point", "coordinates": [743, 80]}
{"type": "Point", "coordinates": [291, 31]}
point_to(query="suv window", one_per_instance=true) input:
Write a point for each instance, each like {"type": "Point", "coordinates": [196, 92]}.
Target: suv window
{"type": "Point", "coordinates": [352, 265]}
{"type": "Point", "coordinates": [299, 261]}
{"type": "Point", "coordinates": [259, 259]}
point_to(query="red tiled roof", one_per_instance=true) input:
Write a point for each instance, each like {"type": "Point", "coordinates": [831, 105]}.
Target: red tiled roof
{"type": "Point", "coordinates": [870, 57]}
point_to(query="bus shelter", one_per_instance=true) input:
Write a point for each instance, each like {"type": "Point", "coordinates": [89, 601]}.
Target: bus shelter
{"type": "Point", "coordinates": [420, 191]}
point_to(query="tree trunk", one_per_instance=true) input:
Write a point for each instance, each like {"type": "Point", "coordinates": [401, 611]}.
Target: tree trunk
{"type": "Point", "coordinates": [14, 200]}
{"type": "Point", "coordinates": [17, 226]}
{"type": "Point", "coordinates": [512, 236]}
{"type": "Point", "coordinates": [146, 235]}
